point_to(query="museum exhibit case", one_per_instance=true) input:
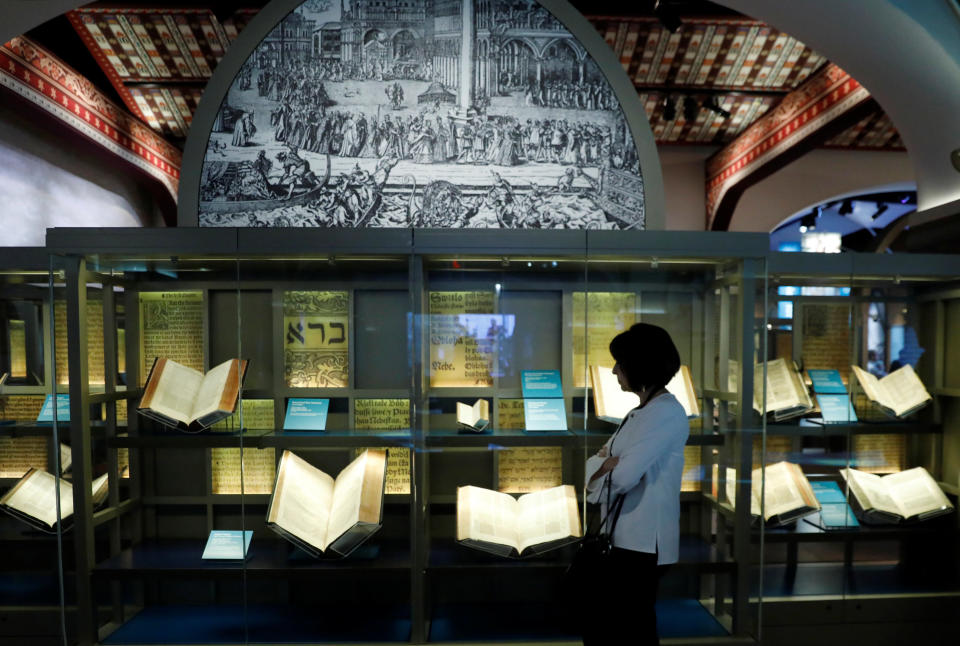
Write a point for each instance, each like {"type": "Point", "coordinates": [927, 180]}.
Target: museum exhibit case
{"type": "Point", "coordinates": [396, 414]}
{"type": "Point", "coordinates": [871, 435]}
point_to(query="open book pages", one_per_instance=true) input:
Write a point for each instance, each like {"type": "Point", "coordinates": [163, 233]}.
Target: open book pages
{"type": "Point", "coordinates": [611, 403]}
{"type": "Point", "coordinates": [901, 392]}
{"type": "Point", "coordinates": [786, 394]}
{"type": "Point", "coordinates": [33, 498]}
{"type": "Point", "coordinates": [897, 496]}
{"type": "Point", "coordinates": [312, 507]}
{"type": "Point", "coordinates": [476, 417]}
{"type": "Point", "coordinates": [787, 494]}
{"type": "Point", "coordinates": [176, 394]}
{"type": "Point", "coordinates": [499, 523]}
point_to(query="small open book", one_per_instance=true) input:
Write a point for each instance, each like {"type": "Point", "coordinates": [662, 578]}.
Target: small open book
{"type": "Point", "coordinates": [187, 399]}
{"type": "Point", "coordinates": [320, 514]}
{"type": "Point", "coordinates": [786, 394]}
{"type": "Point", "coordinates": [33, 499]}
{"type": "Point", "coordinates": [787, 494]}
{"type": "Point", "coordinates": [474, 418]}
{"type": "Point", "coordinates": [531, 524]}
{"type": "Point", "coordinates": [899, 393]}
{"type": "Point", "coordinates": [908, 495]}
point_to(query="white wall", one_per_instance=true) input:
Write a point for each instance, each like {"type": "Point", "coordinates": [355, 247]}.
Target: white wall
{"type": "Point", "coordinates": [683, 186]}
{"type": "Point", "coordinates": [51, 179]}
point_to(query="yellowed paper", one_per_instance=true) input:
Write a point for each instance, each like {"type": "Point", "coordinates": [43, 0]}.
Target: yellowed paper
{"type": "Point", "coordinates": [463, 336]}
{"type": "Point", "coordinates": [316, 339]}
{"type": "Point", "coordinates": [171, 327]}
{"type": "Point", "coordinates": [605, 314]}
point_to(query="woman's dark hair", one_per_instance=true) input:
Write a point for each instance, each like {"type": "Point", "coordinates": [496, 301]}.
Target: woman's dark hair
{"type": "Point", "coordinates": [647, 356]}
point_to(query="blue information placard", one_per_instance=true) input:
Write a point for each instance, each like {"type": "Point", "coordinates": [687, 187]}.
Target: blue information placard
{"type": "Point", "coordinates": [544, 415]}
{"type": "Point", "coordinates": [227, 544]}
{"type": "Point", "coordinates": [541, 384]}
{"type": "Point", "coordinates": [827, 381]}
{"type": "Point", "coordinates": [835, 513]}
{"type": "Point", "coordinates": [306, 414]}
{"type": "Point", "coordinates": [63, 409]}
{"type": "Point", "coordinates": [836, 409]}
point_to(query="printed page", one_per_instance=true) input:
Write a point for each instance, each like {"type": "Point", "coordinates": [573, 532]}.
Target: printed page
{"type": "Point", "coordinates": [904, 390]}
{"type": "Point", "coordinates": [868, 383]}
{"type": "Point", "coordinates": [211, 389]}
{"type": "Point", "coordinates": [347, 492]}
{"type": "Point", "coordinates": [486, 515]}
{"type": "Point", "coordinates": [544, 516]}
{"type": "Point", "coordinates": [871, 491]}
{"type": "Point", "coordinates": [781, 391]}
{"type": "Point", "coordinates": [175, 391]}
{"type": "Point", "coordinates": [302, 500]}
{"type": "Point", "coordinates": [780, 492]}
{"type": "Point", "coordinates": [915, 492]}
{"type": "Point", "coordinates": [35, 496]}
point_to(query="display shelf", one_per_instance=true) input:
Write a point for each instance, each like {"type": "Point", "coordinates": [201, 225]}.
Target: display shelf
{"type": "Point", "coordinates": [495, 438]}
{"type": "Point", "coordinates": [860, 428]}
{"type": "Point", "coordinates": [267, 556]}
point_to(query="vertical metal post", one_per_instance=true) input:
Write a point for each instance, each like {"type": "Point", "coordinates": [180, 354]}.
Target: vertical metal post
{"type": "Point", "coordinates": [80, 444]}
{"type": "Point", "coordinates": [419, 486]}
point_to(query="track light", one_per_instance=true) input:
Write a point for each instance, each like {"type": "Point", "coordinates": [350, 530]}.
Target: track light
{"type": "Point", "coordinates": [881, 209]}
{"type": "Point", "coordinates": [667, 16]}
{"type": "Point", "coordinates": [690, 109]}
{"type": "Point", "coordinates": [809, 221]}
{"type": "Point", "coordinates": [846, 207]}
{"type": "Point", "coordinates": [669, 109]}
{"type": "Point", "coordinates": [712, 105]}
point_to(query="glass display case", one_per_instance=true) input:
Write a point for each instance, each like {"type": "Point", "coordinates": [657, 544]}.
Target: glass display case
{"type": "Point", "coordinates": [457, 367]}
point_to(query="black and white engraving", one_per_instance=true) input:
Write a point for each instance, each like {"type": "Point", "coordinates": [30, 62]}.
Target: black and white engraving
{"type": "Point", "coordinates": [353, 113]}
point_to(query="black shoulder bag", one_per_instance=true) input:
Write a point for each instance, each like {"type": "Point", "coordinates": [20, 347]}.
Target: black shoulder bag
{"type": "Point", "coordinates": [590, 561]}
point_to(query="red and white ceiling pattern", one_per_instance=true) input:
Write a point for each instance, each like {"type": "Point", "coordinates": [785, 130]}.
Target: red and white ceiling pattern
{"type": "Point", "coordinates": [158, 59]}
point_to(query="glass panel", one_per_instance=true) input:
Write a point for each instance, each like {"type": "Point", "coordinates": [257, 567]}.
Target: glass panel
{"type": "Point", "coordinates": [501, 405]}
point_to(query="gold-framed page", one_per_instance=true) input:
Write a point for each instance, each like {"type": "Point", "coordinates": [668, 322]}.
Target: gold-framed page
{"type": "Point", "coordinates": [17, 338]}
{"type": "Point", "coordinates": [316, 339]}
{"type": "Point", "coordinates": [20, 454]}
{"type": "Point", "coordinates": [510, 415]}
{"type": "Point", "coordinates": [259, 470]}
{"type": "Point", "coordinates": [529, 468]}
{"type": "Point", "coordinates": [463, 337]}
{"type": "Point", "coordinates": [171, 327]}
{"type": "Point", "coordinates": [94, 341]}
{"type": "Point", "coordinates": [605, 315]}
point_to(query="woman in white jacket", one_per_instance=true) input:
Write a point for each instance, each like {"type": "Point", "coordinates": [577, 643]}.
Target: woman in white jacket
{"type": "Point", "coordinates": [643, 461]}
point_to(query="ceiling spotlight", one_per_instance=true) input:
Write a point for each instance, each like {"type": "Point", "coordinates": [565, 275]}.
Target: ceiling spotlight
{"type": "Point", "coordinates": [669, 109]}
{"type": "Point", "coordinates": [667, 16]}
{"type": "Point", "coordinates": [846, 207]}
{"type": "Point", "coordinates": [809, 221]}
{"type": "Point", "coordinates": [712, 105]}
{"type": "Point", "coordinates": [690, 109]}
{"type": "Point", "coordinates": [881, 209]}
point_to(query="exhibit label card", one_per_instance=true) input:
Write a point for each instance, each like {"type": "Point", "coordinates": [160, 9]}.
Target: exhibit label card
{"type": "Point", "coordinates": [63, 409]}
{"type": "Point", "coordinates": [541, 384]}
{"type": "Point", "coordinates": [836, 409]}
{"type": "Point", "coordinates": [227, 544]}
{"type": "Point", "coordinates": [827, 381]}
{"type": "Point", "coordinates": [306, 414]}
{"type": "Point", "coordinates": [835, 513]}
{"type": "Point", "coordinates": [545, 415]}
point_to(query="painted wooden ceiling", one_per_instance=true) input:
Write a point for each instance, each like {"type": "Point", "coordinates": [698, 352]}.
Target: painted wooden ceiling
{"type": "Point", "coordinates": [159, 60]}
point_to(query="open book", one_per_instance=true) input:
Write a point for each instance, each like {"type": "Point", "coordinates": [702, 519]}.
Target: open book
{"type": "Point", "coordinates": [185, 398]}
{"type": "Point", "coordinates": [531, 524]}
{"type": "Point", "coordinates": [474, 418]}
{"type": "Point", "coordinates": [320, 514]}
{"type": "Point", "coordinates": [612, 404]}
{"type": "Point", "coordinates": [787, 395]}
{"type": "Point", "coordinates": [899, 393]}
{"type": "Point", "coordinates": [909, 495]}
{"type": "Point", "coordinates": [787, 494]}
{"type": "Point", "coordinates": [33, 499]}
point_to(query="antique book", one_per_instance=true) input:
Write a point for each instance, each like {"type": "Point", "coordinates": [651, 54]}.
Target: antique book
{"type": "Point", "coordinates": [787, 395]}
{"type": "Point", "coordinates": [320, 514]}
{"type": "Point", "coordinates": [185, 398]}
{"type": "Point", "coordinates": [612, 404]}
{"type": "Point", "coordinates": [908, 495]}
{"type": "Point", "coordinates": [474, 418]}
{"type": "Point", "coordinates": [33, 498]}
{"type": "Point", "coordinates": [531, 524]}
{"type": "Point", "coordinates": [900, 393]}
{"type": "Point", "coordinates": [787, 494]}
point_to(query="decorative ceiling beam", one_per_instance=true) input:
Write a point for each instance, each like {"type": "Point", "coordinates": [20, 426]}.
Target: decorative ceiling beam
{"type": "Point", "coordinates": [824, 105]}
{"type": "Point", "coordinates": [47, 82]}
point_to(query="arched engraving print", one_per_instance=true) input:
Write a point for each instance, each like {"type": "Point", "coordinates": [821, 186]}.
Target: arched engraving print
{"type": "Point", "coordinates": [358, 114]}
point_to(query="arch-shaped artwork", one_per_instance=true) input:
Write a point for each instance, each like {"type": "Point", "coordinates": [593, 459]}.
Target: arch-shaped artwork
{"type": "Point", "coordinates": [432, 115]}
